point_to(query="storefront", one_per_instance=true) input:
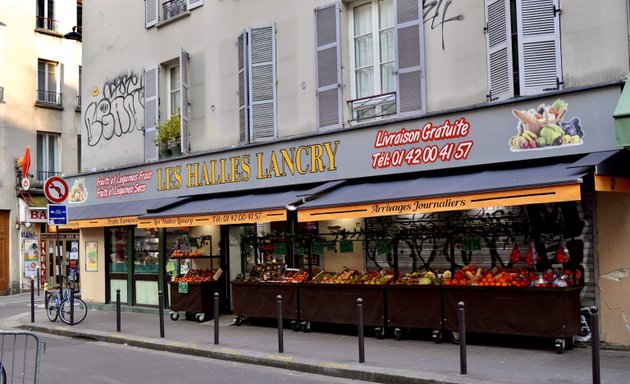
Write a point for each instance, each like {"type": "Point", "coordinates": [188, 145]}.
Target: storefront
{"type": "Point", "coordinates": [473, 188]}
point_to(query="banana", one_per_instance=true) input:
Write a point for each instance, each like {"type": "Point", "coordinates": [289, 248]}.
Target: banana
{"type": "Point", "coordinates": [530, 135]}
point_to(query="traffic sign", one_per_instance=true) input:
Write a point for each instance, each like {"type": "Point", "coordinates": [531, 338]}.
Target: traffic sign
{"type": "Point", "coordinates": [56, 189]}
{"type": "Point", "coordinates": [57, 214]}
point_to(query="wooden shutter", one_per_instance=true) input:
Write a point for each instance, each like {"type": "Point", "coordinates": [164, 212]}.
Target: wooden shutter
{"type": "Point", "coordinates": [151, 13]}
{"type": "Point", "coordinates": [499, 50]}
{"type": "Point", "coordinates": [184, 73]}
{"type": "Point", "coordinates": [243, 88]}
{"type": "Point", "coordinates": [262, 82]}
{"type": "Point", "coordinates": [538, 25]}
{"type": "Point", "coordinates": [151, 112]}
{"type": "Point", "coordinates": [410, 56]}
{"type": "Point", "coordinates": [192, 4]}
{"type": "Point", "coordinates": [328, 53]}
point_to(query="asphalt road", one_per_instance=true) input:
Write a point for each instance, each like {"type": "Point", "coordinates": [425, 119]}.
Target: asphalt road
{"type": "Point", "coordinates": [81, 361]}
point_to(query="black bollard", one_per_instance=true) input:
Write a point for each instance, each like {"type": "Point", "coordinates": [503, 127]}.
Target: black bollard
{"type": "Point", "coordinates": [216, 318]}
{"type": "Point", "coordinates": [463, 368]}
{"type": "Point", "coordinates": [118, 310]}
{"type": "Point", "coordinates": [161, 312]}
{"type": "Point", "coordinates": [595, 344]}
{"type": "Point", "coordinates": [280, 325]}
{"type": "Point", "coordinates": [360, 330]}
{"type": "Point", "coordinates": [72, 306]}
{"type": "Point", "coordinates": [38, 282]}
{"type": "Point", "coordinates": [32, 302]}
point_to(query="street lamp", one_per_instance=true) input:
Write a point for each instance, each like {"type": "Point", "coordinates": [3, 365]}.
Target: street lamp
{"type": "Point", "coordinates": [74, 35]}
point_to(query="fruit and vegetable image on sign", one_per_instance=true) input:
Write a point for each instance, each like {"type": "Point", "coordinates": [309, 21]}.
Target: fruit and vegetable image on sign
{"type": "Point", "coordinates": [545, 127]}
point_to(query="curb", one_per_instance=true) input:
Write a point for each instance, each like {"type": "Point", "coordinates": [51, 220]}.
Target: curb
{"type": "Point", "coordinates": [352, 371]}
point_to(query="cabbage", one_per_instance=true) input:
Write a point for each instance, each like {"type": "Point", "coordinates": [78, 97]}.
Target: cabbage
{"type": "Point", "coordinates": [559, 104]}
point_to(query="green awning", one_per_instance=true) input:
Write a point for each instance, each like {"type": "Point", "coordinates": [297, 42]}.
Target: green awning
{"type": "Point", "coordinates": [622, 117]}
{"type": "Point", "coordinates": [37, 201]}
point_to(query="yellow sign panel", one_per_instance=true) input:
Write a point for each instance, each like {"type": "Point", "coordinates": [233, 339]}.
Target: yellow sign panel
{"type": "Point", "coordinates": [441, 204]}
{"type": "Point", "coordinates": [215, 219]}
{"type": "Point", "coordinates": [94, 223]}
{"type": "Point", "coordinates": [612, 184]}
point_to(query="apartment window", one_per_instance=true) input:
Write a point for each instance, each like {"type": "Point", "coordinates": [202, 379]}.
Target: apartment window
{"type": "Point", "coordinates": [386, 57]}
{"type": "Point", "coordinates": [523, 47]}
{"type": "Point", "coordinates": [47, 155]}
{"type": "Point", "coordinates": [156, 11]}
{"type": "Point", "coordinates": [47, 84]}
{"type": "Point", "coordinates": [373, 59]}
{"type": "Point", "coordinates": [257, 84]}
{"type": "Point", "coordinates": [168, 81]}
{"type": "Point", "coordinates": [79, 87]}
{"type": "Point", "coordinates": [45, 18]}
{"type": "Point", "coordinates": [174, 90]}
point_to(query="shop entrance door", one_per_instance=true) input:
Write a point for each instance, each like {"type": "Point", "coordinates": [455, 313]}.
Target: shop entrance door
{"type": "Point", "coordinates": [64, 261]}
{"type": "Point", "coordinates": [4, 251]}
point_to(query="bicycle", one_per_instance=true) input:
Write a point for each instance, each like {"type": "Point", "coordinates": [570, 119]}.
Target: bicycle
{"type": "Point", "coordinates": [59, 306]}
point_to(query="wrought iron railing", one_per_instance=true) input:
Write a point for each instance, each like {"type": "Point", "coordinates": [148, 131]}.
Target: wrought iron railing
{"type": "Point", "coordinates": [46, 23]}
{"type": "Point", "coordinates": [47, 97]}
{"type": "Point", "coordinates": [373, 106]}
{"type": "Point", "coordinates": [173, 8]}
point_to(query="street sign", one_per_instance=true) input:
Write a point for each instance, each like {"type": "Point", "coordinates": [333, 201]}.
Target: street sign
{"type": "Point", "coordinates": [56, 189]}
{"type": "Point", "coordinates": [57, 214]}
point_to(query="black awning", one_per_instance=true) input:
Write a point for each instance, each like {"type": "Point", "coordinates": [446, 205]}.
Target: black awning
{"type": "Point", "coordinates": [540, 184]}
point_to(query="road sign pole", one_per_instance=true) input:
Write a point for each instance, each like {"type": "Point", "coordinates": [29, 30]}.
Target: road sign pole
{"type": "Point", "coordinates": [58, 261]}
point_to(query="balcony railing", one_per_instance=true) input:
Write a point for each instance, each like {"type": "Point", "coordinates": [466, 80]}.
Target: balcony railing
{"type": "Point", "coordinates": [44, 175]}
{"type": "Point", "coordinates": [47, 97]}
{"type": "Point", "coordinates": [46, 23]}
{"type": "Point", "coordinates": [173, 8]}
{"type": "Point", "coordinates": [373, 106]}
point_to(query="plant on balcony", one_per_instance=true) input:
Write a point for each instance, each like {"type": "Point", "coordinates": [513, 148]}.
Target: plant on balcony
{"type": "Point", "coordinates": [169, 136]}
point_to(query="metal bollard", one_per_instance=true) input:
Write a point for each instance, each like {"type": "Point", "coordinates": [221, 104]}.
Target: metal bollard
{"type": "Point", "coordinates": [38, 281]}
{"type": "Point", "coordinates": [32, 302]}
{"type": "Point", "coordinates": [72, 305]}
{"type": "Point", "coordinates": [118, 310]}
{"type": "Point", "coordinates": [360, 329]}
{"type": "Point", "coordinates": [595, 344]}
{"type": "Point", "coordinates": [161, 312]}
{"type": "Point", "coordinates": [463, 368]}
{"type": "Point", "coordinates": [216, 318]}
{"type": "Point", "coordinates": [280, 325]}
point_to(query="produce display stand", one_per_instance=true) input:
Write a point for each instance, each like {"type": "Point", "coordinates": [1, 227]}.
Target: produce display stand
{"type": "Point", "coordinates": [539, 312]}
{"type": "Point", "coordinates": [337, 304]}
{"type": "Point", "coordinates": [259, 300]}
{"type": "Point", "coordinates": [197, 302]}
{"type": "Point", "coordinates": [414, 306]}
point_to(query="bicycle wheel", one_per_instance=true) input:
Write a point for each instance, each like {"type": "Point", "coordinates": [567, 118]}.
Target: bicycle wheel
{"type": "Point", "coordinates": [52, 310]}
{"type": "Point", "coordinates": [80, 311]}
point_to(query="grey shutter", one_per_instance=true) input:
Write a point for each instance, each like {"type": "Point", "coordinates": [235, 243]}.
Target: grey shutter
{"type": "Point", "coordinates": [151, 13]}
{"type": "Point", "coordinates": [499, 50]}
{"type": "Point", "coordinates": [538, 26]}
{"type": "Point", "coordinates": [262, 82]}
{"type": "Point", "coordinates": [151, 112]}
{"type": "Point", "coordinates": [410, 56]}
{"type": "Point", "coordinates": [192, 4]}
{"type": "Point", "coordinates": [243, 89]}
{"type": "Point", "coordinates": [328, 53]}
{"type": "Point", "coordinates": [184, 108]}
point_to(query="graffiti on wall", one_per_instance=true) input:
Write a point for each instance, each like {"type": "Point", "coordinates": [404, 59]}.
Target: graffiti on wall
{"type": "Point", "coordinates": [119, 110]}
{"type": "Point", "coordinates": [437, 13]}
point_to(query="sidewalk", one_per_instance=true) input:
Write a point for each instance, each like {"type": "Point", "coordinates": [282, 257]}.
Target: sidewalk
{"type": "Point", "coordinates": [334, 353]}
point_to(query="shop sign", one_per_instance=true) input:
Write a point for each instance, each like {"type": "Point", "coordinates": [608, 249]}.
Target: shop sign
{"type": "Point", "coordinates": [533, 128]}
{"type": "Point", "coordinates": [37, 215]}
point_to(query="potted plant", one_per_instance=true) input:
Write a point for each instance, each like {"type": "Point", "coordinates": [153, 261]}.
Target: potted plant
{"type": "Point", "coordinates": [169, 137]}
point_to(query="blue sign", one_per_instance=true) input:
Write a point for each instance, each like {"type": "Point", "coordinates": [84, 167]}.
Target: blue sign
{"type": "Point", "coordinates": [57, 214]}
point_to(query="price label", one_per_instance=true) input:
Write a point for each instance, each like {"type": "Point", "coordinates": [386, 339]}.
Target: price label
{"type": "Point", "coordinates": [182, 287]}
